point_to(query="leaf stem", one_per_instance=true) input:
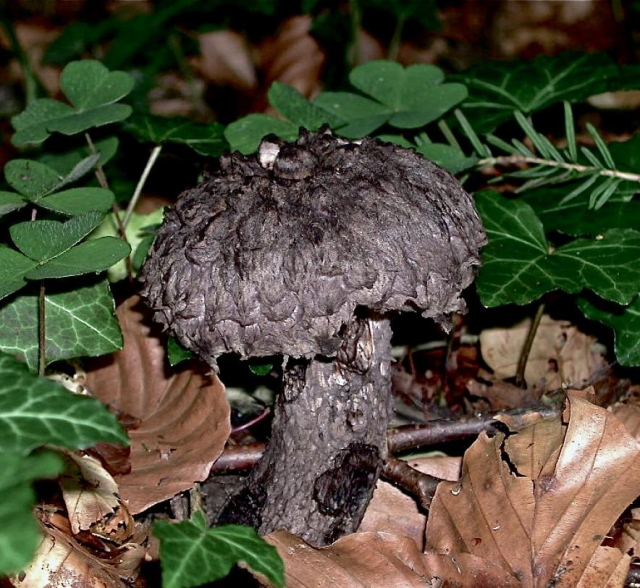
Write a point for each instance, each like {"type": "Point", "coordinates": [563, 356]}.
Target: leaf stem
{"type": "Point", "coordinates": [141, 182]}
{"type": "Point", "coordinates": [396, 38]}
{"type": "Point", "coordinates": [42, 331]}
{"type": "Point", "coordinates": [526, 349]}
{"type": "Point", "coordinates": [102, 180]}
{"type": "Point", "coordinates": [518, 159]}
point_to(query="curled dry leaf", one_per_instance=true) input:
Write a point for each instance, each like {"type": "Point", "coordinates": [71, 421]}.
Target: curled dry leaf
{"type": "Point", "coordinates": [183, 415]}
{"type": "Point", "coordinates": [91, 497]}
{"type": "Point", "coordinates": [379, 559]}
{"type": "Point", "coordinates": [539, 503]}
{"type": "Point", "coordinates": [393, 511]}
{"type": "Point", "coordinates": [560, 354]}
{"type": "Point", "coordinates": [61, 561]}
{"type": "Point", "coordinates": [629, 414]}
{"type": "Point", "coordinates": [225, 59]}
{"type": "Point", "coordinates": [292, 57]}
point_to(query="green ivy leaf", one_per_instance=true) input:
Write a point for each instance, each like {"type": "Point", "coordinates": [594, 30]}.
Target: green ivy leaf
{"type": "Point", "coordinates": [36, 411]}
{"type": "Point", "coordinates": [519, 265]}
{"type": "Point", "coordinates": [13, 268]}
{"type": "Point", "coordinates": [405, 98]}
{"type": "Point", "coordinates": [80, 321]}
{"type": "Point", "coordinates": [19, 530]}
{"type": "Point", "coordinates": [625, 322]}
{"type": "Point", "coordinates": [192, 555]}
{"type": "Point", "coordinates": [499, 88]}
{"type": "Point", "coordinates": [245, 134]}
{"type": "Point", "coordinates": [207, 140]}
{"type": "Point", "coordinates": [575, 218]}
{"type": "Point", "coordinates": [79, 201]}
{"type": "Point", "coordinates": [42, 240]}
{"type": "Point", "coordinates": [176, 352]}
{"type": "Point", "coordinates": [10, 202]}
{"type": "Point", "coordinates": [92, 90]}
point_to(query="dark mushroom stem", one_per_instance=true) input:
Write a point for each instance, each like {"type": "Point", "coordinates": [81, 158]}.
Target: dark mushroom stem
{"type": "Point", "coordinates": [327, 444]}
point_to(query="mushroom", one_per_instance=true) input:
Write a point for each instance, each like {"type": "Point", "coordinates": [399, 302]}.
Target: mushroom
{"type": "Point", "coordinates": [306, 250]}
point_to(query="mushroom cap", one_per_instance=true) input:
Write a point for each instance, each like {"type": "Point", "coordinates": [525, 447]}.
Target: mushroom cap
{"type": "Point", "coordinates": [274, 253]}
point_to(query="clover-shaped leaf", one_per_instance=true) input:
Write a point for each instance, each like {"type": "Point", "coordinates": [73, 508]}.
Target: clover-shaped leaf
{"type": "Point", "coordinates": [520, 265]}
{"type": "Point", "coordinates": [405, 98]}
{"type": "Point", "coordinates": [205, 139]}
{"type": "Point", "coordinates": [93, 92]}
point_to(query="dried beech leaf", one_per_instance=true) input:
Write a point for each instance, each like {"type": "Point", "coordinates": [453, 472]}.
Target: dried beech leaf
{"type": "Point", "coordinates": [393, 511]}
{"type": "Point", "coordinates": [629, 414]}
{"type": "Point", "coordinates": [61, 561]}
{"type": "Point", "coordinates": [91, 497]}
{"type": "Point", "coordinates": [560, 354]}
{"type": "Point", "coordinates": [540, 503]}
{"type": "Point", "coordinates": [379, 559]}
{"type": "Point", "coordinates": [225, 59]}
{"type": "Point", "coordinates": [183, 415]}
{"type": "Point", "coordinates": [608, 568]}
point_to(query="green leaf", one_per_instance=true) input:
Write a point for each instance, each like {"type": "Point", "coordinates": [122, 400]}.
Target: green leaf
{"type": "Point", "coordinates": [404, 98]}
{"type": "Point", "coordinates": [89, 257]}
{"type": "Point", "coordinates": [519, 265]}
{"type": "Point", "coordinates": [497, 89]}
{"type": "Point", "coordinates": [207, 140]}
{"type": "Point", "coordinates": [43, 240]}
{"type": "Point", "coordinates": [19, 530]}
{"type": "Point", "coordinates": [93, 91]}
{"type": "Point", "coordinates": [79, 201]}
{"type": "Point", "coordinates": [358, 115]}
{"type": "Point", "coordinates": [245, 134]}
{"type": "Point", "coordinates": [625, 322]}
{"type": "Point", "coordinates": [260, 367]}
{"type": "Point", "coordinates": [63, 163]}
{"type": "Point", "coordinates": [296, 108]}
{"type": "Point", "coordinates": [36, 411]}
{"type": "Point", "coordinates": [574, 217]}
{"type": "Point", "coordinates": [136, 231]}
{"type": "Point", "coordinates": [192, 555]}
{"type": "Point", "coordinates": [415, 95]}
{"type": "Point", "coordinates": [35, 179]}
{"type": "Point", "coordinates": [89, 84]}
{"type": "Point", "coordinates": [447, 156]}
{"type": "Point", "coordinates": [80, 321]}
{"type": "Point", "coordinates": [10, 202]}
{"type": "Point", "coordinates": [31, 178]}
{"type": "Point", "coordinates": [176, 352]}
{"type": "Point", "coordinates": [13, 268]}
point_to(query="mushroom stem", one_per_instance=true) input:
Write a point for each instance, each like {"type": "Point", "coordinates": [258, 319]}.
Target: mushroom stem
{"type": "Point", "coordinates": [328, 442]}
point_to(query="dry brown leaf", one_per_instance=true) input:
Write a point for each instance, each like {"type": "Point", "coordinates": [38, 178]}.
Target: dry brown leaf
{"type": "Point", "coordinates": [293, 57]}
{"type": "Point", "coordinates": [379, 559]}
{"type": "Point", "coordinates": [540, 503]}
{"type": "Point", "coordinates": [61, 561]}
{"type": "Point", "coordinates": [629, 414]}
{"type": "Point", "coordinates": [225, 59]}
{"type": "Point", "coordinates": [500, 394]}
{"type": "Point", "coordinates": [183, 415]}
{"type": "Point", "coordinates": [91, 497]}
{"type": "Point", "coordinates": [560, 354]}
{"type": "Point", "coordinates": [393, 511]}
{"type": "Point", "coordinates": [608, 568]}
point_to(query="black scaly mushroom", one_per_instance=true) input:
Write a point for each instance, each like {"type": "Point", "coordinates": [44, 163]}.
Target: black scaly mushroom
{"type": "Point", "coordinates": [306, 250]}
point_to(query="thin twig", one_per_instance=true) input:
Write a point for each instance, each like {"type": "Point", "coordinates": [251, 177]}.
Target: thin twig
{"type": "Point", "coordinates": [242, 457]}
{"type": "Point", "coordinates": [519, 159]}
{"type": "Point", "coordinates": [141, 182]}
{"type": "Point", "coordinates": [526, 348]}
{"type": "Point", "coordinates": [102, 180]}
{"type": "Point", "coordinates": [414, 482]}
